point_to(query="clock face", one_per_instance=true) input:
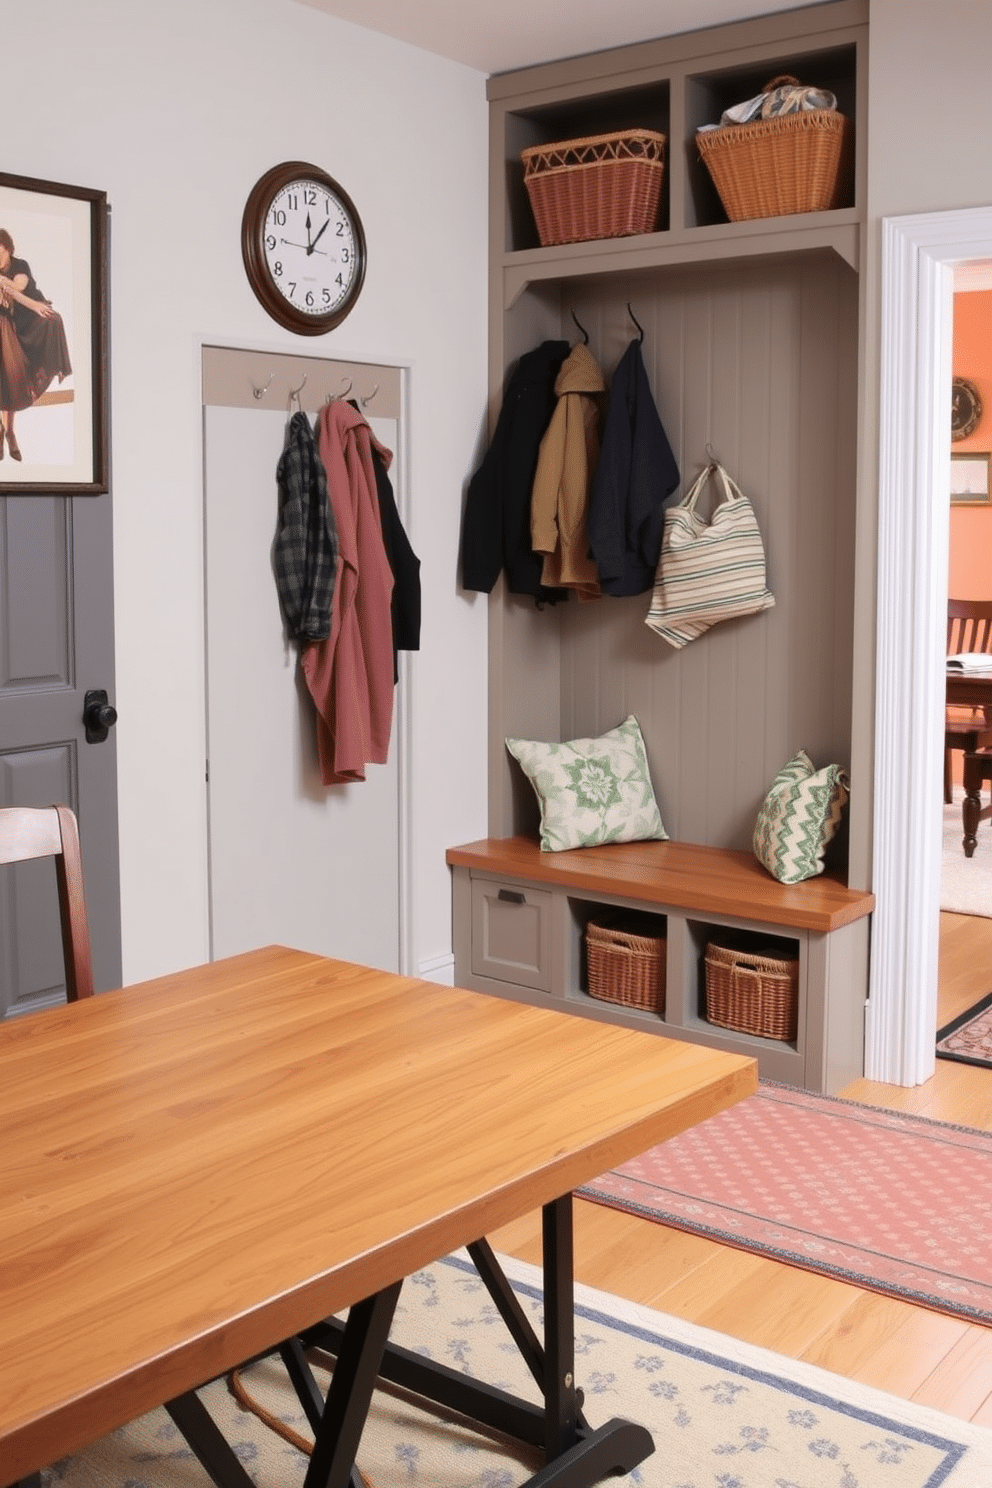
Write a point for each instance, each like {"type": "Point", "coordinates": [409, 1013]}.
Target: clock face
{"type": "Point", "coordinates": [303, 247]}
{"type": "Point", "coordinates": [966, 408]}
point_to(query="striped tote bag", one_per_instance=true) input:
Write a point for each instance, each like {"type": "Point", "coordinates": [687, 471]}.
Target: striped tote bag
{"type": "Point", "coordinates": [708, 571]}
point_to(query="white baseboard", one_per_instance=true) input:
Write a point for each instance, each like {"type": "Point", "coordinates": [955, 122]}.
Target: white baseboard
{"type": "Point", "coordinates": [440, 969]}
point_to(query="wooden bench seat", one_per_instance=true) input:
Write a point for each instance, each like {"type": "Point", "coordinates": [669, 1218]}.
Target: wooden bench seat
{"type": "Point", "coordinates": [683, 875]}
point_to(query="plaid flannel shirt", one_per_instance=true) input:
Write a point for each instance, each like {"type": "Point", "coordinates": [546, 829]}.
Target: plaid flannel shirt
{"type": "Point", "coordinates": [306, 545]}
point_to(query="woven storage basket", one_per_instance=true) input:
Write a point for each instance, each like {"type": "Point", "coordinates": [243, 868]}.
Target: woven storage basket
{"type": "Point", "coordinates": [625, 961]}
{"type": "Point", "coordinates": [753, 990]}
{"type": "Point", "coordinates": [603, 186]}
{"type": "Point", "coordinates": [775, 167]}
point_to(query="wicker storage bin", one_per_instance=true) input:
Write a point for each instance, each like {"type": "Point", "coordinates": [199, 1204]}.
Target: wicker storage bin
{"type": "Point", "coordinates": [625, 960]}
{"type": "Point", "coordinates": [775, 167]}
{"type": "Point", "coordinates": [603, 186]}
{"type": "Point", "coordinates": [753, 989]}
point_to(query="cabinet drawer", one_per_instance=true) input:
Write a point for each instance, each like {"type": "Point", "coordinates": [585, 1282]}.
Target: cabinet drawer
{"type": "Point", "coordinates": [511, 933]}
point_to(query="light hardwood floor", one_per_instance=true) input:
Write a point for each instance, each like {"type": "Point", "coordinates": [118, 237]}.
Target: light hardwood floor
{"type": "Point", "coordinates": [909, 1351]}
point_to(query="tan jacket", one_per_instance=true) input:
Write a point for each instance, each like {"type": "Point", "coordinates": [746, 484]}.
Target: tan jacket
{"type": "Point", "coordinates": [565, 465]}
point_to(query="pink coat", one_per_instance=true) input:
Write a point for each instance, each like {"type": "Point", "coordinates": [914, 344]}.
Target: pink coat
{"type": "Point", "coordinates": [350, 674]}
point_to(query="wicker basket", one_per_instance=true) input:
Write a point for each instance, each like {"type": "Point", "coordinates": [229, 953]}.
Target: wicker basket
{"type": "Point", "coordinates": [603, 186]}
{"type": "Point", "coordinates": [753, 989]}
{"type": "Point", "coordinates": [774, 167]}
{"type": "Point", "coordinates": [625, 961]}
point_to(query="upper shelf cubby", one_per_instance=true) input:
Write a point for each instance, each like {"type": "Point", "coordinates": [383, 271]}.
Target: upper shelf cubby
{"type": "Point", "coordinates": [673, 86]}
{"type": "Point", "coordinates": [707, 94]}
{"type": "Point", "coordinates": [645, 107]}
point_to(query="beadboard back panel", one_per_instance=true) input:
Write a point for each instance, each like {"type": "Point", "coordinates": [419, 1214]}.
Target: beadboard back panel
{"type": "Point", "coordinates": [758, 360]}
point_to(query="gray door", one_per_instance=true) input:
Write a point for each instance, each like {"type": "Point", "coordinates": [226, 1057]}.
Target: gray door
{"type": "Point", "coordinates": [56, 644]}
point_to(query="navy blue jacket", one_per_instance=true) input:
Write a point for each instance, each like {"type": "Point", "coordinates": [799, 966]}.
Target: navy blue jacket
{"type": "Point", "coordinates": [634, 481]}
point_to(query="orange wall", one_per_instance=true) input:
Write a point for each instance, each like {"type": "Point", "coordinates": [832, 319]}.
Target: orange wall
{"type": "Point", "coordinates": [970, 569]}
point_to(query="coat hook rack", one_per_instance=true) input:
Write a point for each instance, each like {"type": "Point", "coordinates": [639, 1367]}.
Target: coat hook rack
{"type": "Point", "coordinates": [585, 333]}
{"type": "Point", "coordinates": [640, 328]}
{"type": "Point", "coordinates": [259, 392]}
{"type": "Point", "coordinates": [294, 394]}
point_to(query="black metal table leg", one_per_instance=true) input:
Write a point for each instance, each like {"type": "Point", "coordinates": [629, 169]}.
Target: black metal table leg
{"type": "Point", "coordinates": [576, 1455]}
{"type": "Point", "coordinates": [561, 1407]}
{"type": "Point", "coordinates": [207, 1443]}
{"type": "Point", "coordinates": [350, 1394]}
{"type": "Point", "coordinates": [612, 1451]}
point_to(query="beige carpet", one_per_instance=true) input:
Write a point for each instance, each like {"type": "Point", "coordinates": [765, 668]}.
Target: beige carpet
{"type": "Point", "coordinates": [723, 1414]}
{"type": "Point", "coordinates": [965, 883]}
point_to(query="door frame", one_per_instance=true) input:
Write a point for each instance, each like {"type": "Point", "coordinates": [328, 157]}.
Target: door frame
{"type": "Point", "coordinates": [919, 254]}
{"type": "Point", "coordinates": [268, 371]}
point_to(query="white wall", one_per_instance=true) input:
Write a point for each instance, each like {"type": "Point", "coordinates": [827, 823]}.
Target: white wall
{"type": "Point", "coordinates": [175, 111]}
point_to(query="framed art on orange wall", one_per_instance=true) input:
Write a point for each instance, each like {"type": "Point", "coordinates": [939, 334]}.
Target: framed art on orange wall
{"type": "Point", "coordinates": [970, 479]}
{"type": "Point", "coordinates": [53, 337]}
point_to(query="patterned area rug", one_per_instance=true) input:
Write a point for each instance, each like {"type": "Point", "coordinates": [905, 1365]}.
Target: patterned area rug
{"type": "Point", "coordinates": [722, 1414]}
{"type": "Point", "coordinates": [968, 1038]}
{"type": "Point", "coordinates": [898, 1204]}
{"type": "Point", "coordinates": [965, 883]}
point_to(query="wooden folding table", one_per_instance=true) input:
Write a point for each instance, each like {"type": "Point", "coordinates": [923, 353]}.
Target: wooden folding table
{"type": "Point", "coordinates": [204, 1166]}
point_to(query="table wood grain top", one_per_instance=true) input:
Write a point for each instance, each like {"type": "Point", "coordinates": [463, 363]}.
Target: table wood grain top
{"type": "Point", "coordinates": [196, 1167]}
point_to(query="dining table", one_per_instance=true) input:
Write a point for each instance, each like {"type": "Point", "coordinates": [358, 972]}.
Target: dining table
{"type": "Point", "coordinates": [200, 1168]}
{"type": "Point", "coordinates": [971, 688]}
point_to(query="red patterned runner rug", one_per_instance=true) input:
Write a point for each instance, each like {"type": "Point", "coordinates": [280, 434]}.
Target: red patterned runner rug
{"type": "Point", "coordinates": [894, 1203]}
{"type": "Point", "coordinates": [968, 1039]}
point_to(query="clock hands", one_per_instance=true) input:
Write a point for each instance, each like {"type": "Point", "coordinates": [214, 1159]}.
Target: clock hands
{"type": "Point", "coordinates": [318, 237]}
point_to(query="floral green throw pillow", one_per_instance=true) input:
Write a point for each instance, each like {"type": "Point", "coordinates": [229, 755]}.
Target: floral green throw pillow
{"type": "Point", "coordinates": [592, 790]}
{"type": "Point", "coordinates": [799, 817]}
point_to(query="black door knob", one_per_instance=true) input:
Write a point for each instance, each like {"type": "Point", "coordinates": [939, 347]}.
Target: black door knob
{"type": "Point", "coordinates": [99, 716]}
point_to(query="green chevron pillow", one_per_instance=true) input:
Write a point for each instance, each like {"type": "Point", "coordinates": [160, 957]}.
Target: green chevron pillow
{"type": "Point", "coordinates": [799, 817]}
{"type": "Point", "coordinates": [592, 790]}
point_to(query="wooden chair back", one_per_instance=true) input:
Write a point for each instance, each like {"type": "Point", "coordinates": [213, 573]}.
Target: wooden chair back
{"type": "Point", "coordinates": [28, 832]}
{"type": "Point", "coordinates": [969, 625]}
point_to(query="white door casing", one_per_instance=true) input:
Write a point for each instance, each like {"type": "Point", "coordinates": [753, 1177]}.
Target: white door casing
{"type": "Point", "coordinates": [919, 253]}
{"type": "Point", "coordinates": [291, 861]}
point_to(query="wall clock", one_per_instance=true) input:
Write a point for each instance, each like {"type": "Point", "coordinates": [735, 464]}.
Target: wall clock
{"type": "Point", "coordinates": [966, 408]}
{"type": "Point", "coordinates": [303, 247]}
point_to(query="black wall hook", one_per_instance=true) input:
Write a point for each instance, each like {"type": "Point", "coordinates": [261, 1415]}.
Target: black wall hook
{"type": "Point", "coordinates": [640, 328]}
{"type": "Point", "coordinates": [585, 333]}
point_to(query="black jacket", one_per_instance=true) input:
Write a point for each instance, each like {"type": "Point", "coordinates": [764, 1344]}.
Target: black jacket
{"type": "Point", "coordinates": [634, 481]}
{"type": "Point", "coordinates": [496, 526]}
{"type": "Point", "coordinates": [405, 604]}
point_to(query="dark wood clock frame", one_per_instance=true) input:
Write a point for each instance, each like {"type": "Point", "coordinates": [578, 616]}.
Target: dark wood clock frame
{"type": "Point", "coordinates": [253, 248]}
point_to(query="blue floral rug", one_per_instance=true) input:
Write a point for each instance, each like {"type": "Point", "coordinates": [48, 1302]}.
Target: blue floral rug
{"type": "Point", "coordinates": [722, 1414]}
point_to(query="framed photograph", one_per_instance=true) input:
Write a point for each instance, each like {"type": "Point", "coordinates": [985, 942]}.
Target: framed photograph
{"type": "Point", "coordinates": [53, 338]}
{"type": "Point", "coordinates": [970, 480]}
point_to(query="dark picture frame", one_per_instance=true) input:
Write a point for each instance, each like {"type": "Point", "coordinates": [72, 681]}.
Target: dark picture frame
{"type": "Point", "coordinates": [53, 364]}
{"type": "Point", "coordinates": [970, 479]}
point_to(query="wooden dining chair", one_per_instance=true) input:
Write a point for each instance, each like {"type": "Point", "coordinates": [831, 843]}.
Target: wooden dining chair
{"type": "Point", "coordinates": [969, 628]}
{"type": "Point", "coordinates": [28, 832]}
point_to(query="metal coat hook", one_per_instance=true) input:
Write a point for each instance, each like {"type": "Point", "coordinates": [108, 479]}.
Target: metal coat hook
{"type": "Point", "coordinates": [585, 333]}
{"type": "Point", "coordinates": [294, 394]}
{"type": "Point", "coordinates": [259, 393]}
{"type": "Point", "coordinates": [640, 328]}
{"type": "Point", "coordinates": [368, 400]}
{"type": "Point", "coordinates": [711, 454]}
{"type": "Point", "coordinates": [332, 397]}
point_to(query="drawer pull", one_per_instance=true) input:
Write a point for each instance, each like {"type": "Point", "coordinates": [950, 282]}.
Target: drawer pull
{"type": "Point", "coordinates": [511, 896]}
